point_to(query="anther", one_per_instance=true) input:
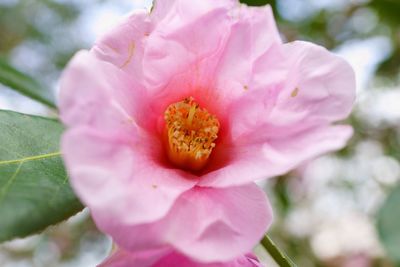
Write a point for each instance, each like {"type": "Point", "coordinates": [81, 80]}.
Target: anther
{"type": "Point", "coordinates": [191, 132]}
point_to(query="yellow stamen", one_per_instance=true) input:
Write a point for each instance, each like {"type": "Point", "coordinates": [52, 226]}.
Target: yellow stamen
{"type": "Point", "coordinates": [192, 111]}
{"type": "Point", "coordinates": [191, 132]}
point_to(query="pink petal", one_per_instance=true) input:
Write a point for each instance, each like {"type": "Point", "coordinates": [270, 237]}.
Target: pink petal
{"type": "Point", "coordinates": [317, 89]}
{"type": "Point", "coordinates": [124, 45]}
{"type": "Point", "coordinates": [205, 224]}
{"type": "Point", "coordinates": [119, 177]}
{"type": "Point", "coordinates": [97, 94]}
{"type": "Point", "coordinates": [164, 8]}
{"type": "Point", "coordinates": [311, 87]}
{"type": "Point", "coordinates": [176, 259]}
{"type": "Point", "coordinates": [263, 159]}
{"type": "Point", "coordinates": [268, 127]}
{"type": "Point", "coordinates": [185, 35]}
{"type": "Point", "coordinates": [320, 88]}
{"type": "Point", "coordinates": [109, 156]}
{"type": "Point", "coordinates": [253, 34]}
{"type": "Point", "coordinates": [206, 52]}
{"type": "Point", "coordinates": [122, 258]}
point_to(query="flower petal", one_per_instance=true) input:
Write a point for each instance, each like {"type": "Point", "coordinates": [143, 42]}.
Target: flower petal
{"type": "Point", "coordinates": [253, 34]}
{"type": "Point", "coordinates": [205, 224]}
{"type": "Point", "coordinates": [207, 52]}
{"type": "Point", "coordinates": [225, 223]}
{"type": "Point", "coordinates": [120, 177]}
{"type": "Point", "coordinates": [264, 159]}
{"type": "Point", "coordinates": [97, 94]}
{"type": "Point", "coordinates": [311, 88]}
{"type": "Point", "coordinates": [123, 258]}
{"type": "Point", "coordinates": [185, 35]}
{"type": "Point", "coordinates": [320, 87]}
{"type": "Point", "coordinates": [176, 259]}
{"type": "Point", "coordinates": [124, 45]}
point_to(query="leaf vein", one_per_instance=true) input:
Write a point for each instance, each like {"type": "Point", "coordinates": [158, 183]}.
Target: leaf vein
{"type": "Point", "coordinates": [51, 201]}
{"type": "Point", "coordinates": [32, 158]}
{"type": "Point", "coordinates": [4, 190]}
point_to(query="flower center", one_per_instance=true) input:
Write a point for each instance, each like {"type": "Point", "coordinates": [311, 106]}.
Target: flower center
{"type": "Point", "coordinates": [191, 132]}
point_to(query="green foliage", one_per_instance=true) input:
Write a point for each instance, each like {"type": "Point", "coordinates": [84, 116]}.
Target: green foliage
{"type": "Point", "coordinates": [255, 2]}
{"type": "Point", "coordinates": [388, 10]}
{"type": "Point", "coordinates": [388, 225]}
{"type": "Point", "coordinates": [34, 189]}
{"type": "Point", "coordinates": [33, 20]}
{"type": "Point", "coordinates": [24, 84]}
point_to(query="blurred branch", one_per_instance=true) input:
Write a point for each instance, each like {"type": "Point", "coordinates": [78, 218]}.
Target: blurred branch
{"type": "Point", "coordinates": [25, 84]}
{"type": "Point", "coordinates": [279, 256]}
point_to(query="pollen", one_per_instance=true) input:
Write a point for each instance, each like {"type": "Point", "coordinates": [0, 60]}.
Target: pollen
{"type": "Point", "coordinates": [191, 132]}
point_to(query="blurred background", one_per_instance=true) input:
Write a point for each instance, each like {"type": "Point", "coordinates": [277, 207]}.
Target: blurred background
{"type": "Point", "coordinates": [341, 209]}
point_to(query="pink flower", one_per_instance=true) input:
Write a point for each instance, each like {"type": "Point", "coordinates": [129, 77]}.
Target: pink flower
{"type": "Point", "coordinates": [173, 114]}
{"type": "Point", "coordinates": [123, 258]}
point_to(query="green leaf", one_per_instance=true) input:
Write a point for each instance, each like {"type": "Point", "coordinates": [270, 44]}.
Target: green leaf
{"type": "Point", "coordinates": [389, 225]}
{"type": "Point", "coordinates": [25, 84]}
{"type": "Point", "coordinates": [34, 189]}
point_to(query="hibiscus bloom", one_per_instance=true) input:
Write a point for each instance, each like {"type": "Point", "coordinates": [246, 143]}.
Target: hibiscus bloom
{"type": "Point", "coordinates": [175, 113]}
{"type": "Point", "coordinates": [123, 258]}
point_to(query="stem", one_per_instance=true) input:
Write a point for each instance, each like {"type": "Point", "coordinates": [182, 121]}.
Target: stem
{"type": "Point", "coordinates": [279, 256]}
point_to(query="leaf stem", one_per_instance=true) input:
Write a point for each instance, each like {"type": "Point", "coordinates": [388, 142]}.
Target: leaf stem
{"type": "Point", "coordinates": [278, 255]}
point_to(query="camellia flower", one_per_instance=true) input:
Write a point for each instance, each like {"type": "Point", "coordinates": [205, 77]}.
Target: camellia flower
{"type": "Point", "coordinates": [122, 258]}
{"type": "Point", "coordinates": [173, 114]}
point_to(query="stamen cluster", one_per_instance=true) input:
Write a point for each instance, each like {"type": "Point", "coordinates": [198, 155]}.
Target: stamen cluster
{"type": "Point", "coordinates": [191, 132]}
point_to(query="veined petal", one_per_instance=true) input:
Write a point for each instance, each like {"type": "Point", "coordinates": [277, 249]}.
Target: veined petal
{"type": "Point", "coordinates": [228, 222]}
{"type": "Point", "coordinates": [97, 94]}
{"type": "Point", "coordinates": [214, 224]}
{"type": "Point", "coordinates": [276, 128]}
{"type": "Point", "coordinates": [124, 45]}
{"type": "Point", "coordinates": [184, 37]}
{"type": "Point", "coordinates": [176, 259]}
{"type": "Point", "coordinates": [320, 86]}
{"type": "Point", "coordinates": [120, 176]}
{"type": "Point", "coordinates": [263, 159]}
{"type": "Point", "coordinates": [253, 34]}
{"type": "Point", "coordinates": [123, 258]}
